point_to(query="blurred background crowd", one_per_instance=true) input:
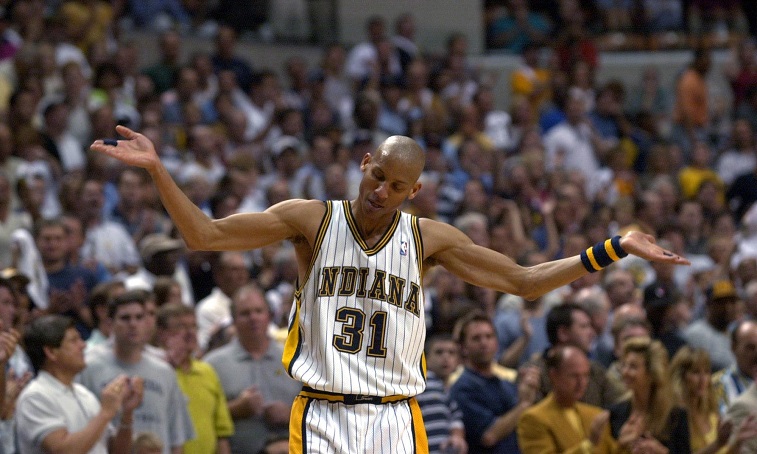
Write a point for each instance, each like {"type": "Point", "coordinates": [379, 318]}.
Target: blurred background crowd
{"type": "Point", "coordinates": [562, 161]}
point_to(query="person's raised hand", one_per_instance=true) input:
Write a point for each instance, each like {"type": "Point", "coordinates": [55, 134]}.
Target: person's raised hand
{"type": "Point", "coordinates": [135, 149]}
{"type": "Point", "coordinates": [597, 427]}
{"type": "Point", "coordinates": [644, 246]}
{"type": "Point", "coordinates": [135, 393]}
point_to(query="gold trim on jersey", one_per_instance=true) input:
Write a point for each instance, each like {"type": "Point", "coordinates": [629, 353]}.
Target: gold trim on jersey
{"type": "Point", "coordinates": [296, 425]}
{"type": "Point", "coordinates": [293, 342]}
{"type": "Point", "coordinates": [325, 221]}
{"type": "Point", "coordinates": [419, 429]}
{"type": "Point", "coordinates": [359, 238]}
{"type": "Point", "coordinates": [415, 225]}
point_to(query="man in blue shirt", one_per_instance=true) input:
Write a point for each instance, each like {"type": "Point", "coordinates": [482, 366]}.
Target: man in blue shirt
{"type": "Point", "coordinates": [491, 406]}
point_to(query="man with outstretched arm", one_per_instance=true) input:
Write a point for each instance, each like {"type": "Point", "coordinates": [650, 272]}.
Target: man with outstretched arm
{"type": "Point", "coordinates": [357, 330]}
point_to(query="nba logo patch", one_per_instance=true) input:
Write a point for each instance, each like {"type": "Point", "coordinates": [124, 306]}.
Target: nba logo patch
{"type": "Point", "coordinates": [403, 247]}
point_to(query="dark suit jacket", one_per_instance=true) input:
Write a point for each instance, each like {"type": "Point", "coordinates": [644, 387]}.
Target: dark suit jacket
{"type": "Point", "coordinates": [677, 440]}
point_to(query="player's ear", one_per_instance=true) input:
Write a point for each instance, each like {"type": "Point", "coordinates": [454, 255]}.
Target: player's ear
{"type": "Point", "coordinates": [365, 161]}
{"type": "Point", "coordinates": [416, 187]}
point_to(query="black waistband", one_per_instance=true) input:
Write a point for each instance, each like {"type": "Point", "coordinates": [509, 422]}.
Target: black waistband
{"type": "Point", "coordinates": [349, 399]}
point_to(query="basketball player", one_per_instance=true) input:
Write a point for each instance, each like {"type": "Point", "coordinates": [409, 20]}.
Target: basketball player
{"type": "Point", "coordinates": [357, 330]}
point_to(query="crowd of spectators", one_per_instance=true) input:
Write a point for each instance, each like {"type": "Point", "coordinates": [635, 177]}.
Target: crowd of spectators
{"type": "Point", "coordinates": [616, 24]}
{"type": "Point", "coordinates": [567, 163]}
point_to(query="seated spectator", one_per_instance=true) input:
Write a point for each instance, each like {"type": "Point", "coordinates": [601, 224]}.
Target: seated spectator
{"type": "Point", "coordinates": [69, 284]}
{"type": "Point", "coordinates": [177, 334]}
{"type": "Point", "coordinates": [491, 406]}
{"type": "Point", "coordinates": [9, 221]}
{"type": "Point", "coordinates": [616, 14]}
{"type": "Point", "coordinates": [559, 422]}
{"type": "Point", "coordinates": [106, 241]}
{"type": "Point", "coordinates": [731, 382]}
{"type": "Point", "coordinates": [661, 16]}
{"type": "Point", "coordinates": [164, 71]}
{"type": "Point", "coordinates": [716, 19]}
{"type": "Point", "coordinates": [520, 27]}
{"type": "Point", "coordinates": [648, 420]}
{"type": "Point", "coordinates": [698, 170]}
{"type": "Point", "coordinates": [214, 311]}
{"type": "Point", "coordinates": [258, 390]}
{"type": "Point", "coordinates": [531, 79]}
{"type": "Point", "coordinates": [159, 15]}
{"type": "Point", "coordinates": [441, 415]}
{"type": "Point", "coordinates": [161, 256]}
{"type": "Point", "coordinates": [55, 414]}
{"type": "Point", "coordinates": [99, 299]}
{"type": "Point", "coordinates": [743, 414]}
{"type": "Point", "coordinates": [691, 114]}
{"type": "Point", "coordinates": [164, 409]}
{"type": "Point", "coordinates": [741, 155]}
{"type": "Point", "coordinates": [132, 210]}
{"type": "Point", "coordinates": [690, 380]}
{"type": "Point", "coordinates": [711, 332]}
{"type": "Point", "coordinates": [570, 324]}
{"type": "Point", "coordinates": [624, 329]}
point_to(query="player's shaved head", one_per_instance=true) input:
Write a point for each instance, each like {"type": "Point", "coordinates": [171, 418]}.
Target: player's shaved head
{"type": "Point", "coordinates": [405, 150]}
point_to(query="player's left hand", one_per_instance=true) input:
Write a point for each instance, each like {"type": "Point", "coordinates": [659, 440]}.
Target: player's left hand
{"type": "Point", "coordinates": [644, 246]}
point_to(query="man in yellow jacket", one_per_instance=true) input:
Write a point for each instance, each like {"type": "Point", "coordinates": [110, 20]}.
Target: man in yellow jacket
{"type": "Point", "coordinates": [559, 423]}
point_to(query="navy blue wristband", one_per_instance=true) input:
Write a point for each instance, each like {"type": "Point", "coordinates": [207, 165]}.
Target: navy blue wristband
{"type": "Point", "coordinates": [602, 254]}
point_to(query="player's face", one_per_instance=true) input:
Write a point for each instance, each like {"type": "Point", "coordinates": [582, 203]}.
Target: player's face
{"type": "Point", "coordinates": [387, 183]}
{"type": "Point", "coordinates": [443, 358]}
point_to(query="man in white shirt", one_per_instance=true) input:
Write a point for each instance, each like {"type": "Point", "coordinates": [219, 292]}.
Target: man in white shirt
{"type": "Point", "coordinates": [55, 414]}
{"type": "Point", "coordinates": [214, 311]}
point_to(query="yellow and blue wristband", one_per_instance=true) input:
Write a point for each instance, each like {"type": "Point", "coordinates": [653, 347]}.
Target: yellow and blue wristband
{"type": "Point", "coordinates": [602, 254]}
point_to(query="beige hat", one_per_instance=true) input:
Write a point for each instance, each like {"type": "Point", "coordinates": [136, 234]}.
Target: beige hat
{"type": "Point", "coordinates": [12, 274]}
{"type": "Point", "coordinates": [156, 243]}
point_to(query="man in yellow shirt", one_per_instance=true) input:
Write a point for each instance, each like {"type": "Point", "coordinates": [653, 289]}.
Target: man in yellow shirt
{"type": "Point", "coordinates": [177, 333]}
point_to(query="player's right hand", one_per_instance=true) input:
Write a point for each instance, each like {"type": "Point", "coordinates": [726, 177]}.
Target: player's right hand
{"type": "Point", "coordinates": [136, 149]}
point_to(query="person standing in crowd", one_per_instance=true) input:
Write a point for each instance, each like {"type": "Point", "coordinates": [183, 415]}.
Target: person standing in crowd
{"type": "Point", "coordinates": [258, 391]}
{"type": "Point", "coordinates": [491, 406]}
{"type": "Point", "coordinates": [381, 288]}
{"type": "Point", "coordinates": [441, 415]}
{"type": "Point", "coordinates": [177, 335]}
{"type": "Point", "coordinates": [164, 409]}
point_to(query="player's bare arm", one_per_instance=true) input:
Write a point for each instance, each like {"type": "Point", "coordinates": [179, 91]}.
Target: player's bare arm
{"type": "Point", "coordinates": [296, 220]}
{"type": "Point", "coordinates": [447, 246]}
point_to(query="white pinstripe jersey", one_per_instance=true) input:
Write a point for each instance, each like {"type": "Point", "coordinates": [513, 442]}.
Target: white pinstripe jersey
{"type": "Point", "coordinates": [357, 323]}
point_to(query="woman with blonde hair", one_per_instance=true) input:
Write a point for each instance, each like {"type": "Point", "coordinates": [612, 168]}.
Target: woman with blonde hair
{"type": "Point", "coordinates": [692, 388]}
{"type": "Point", "coordinates": [648, 421]}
